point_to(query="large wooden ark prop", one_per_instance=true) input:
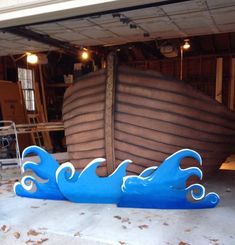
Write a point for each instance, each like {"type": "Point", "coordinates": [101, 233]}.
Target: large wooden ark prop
{"type": "Point", "coordinates": [121, 113]}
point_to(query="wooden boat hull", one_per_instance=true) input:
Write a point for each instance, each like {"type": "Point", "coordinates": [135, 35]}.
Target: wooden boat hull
{"type": "Point", "coordinates": [153, 117]}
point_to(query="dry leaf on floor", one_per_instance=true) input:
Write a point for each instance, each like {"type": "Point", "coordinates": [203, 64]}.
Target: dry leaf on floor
{"type": "Point", "coordinates": [29, 241]}
{"type": "Point", "coordinates": [5, 228]}
{"type": "Point", "coordinates": [77, 234]}
{"type": "Point", "coordinates": [122, 243]}
{"type": "Point", "coordinates": [16, 235]}
{"type": "Point", "coordinates": [42, 241]}
{"type": "Point", "coordinates": [126, 220]}
{"type": "Point", "coordinates": [183, 243]}
{"type": "Point", "coordinates": [117, 217]}
{"type": "Point", "coordinates": [143, 227]}
{"type": "Point", "coordinates": [33, 233]}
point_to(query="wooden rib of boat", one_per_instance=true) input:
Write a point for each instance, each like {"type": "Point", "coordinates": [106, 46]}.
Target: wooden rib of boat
{"type": "Point", "coordinates": [153, 117]}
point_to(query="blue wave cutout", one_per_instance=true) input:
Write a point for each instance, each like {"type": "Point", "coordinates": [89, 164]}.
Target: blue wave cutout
{"type": "Point", "coordinates": [30, 186]}
{"type": "Point", "coordinates": [87, 187]}
{"type": "Point", "coordinates": [156, 187]}
{"type": "Point", "coordinates": [165, 186]}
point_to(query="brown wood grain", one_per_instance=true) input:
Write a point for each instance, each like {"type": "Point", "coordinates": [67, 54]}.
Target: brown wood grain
{"type": "Point", "coordinates": [171, 128]}
{"type": "Point", "coordinates": [85, 127]}
{"type": "Point", "coordinates": [171, 139]}
{"type": "Point", "coordinates": [86, 136]}
{"type": "Point", "coordinates": [182, 105]}
{"type": "Point", "coordinates": [86, 82]}
{"type": "Point", "coordinates": [98, 89]}
{"type": "Point", "coordinates": [99, 106]}
{"type": "Point", "coordinates": [87, 100]}
{"type": "Point", "coordinates": [86, 146]}
{"type": "Point", "coordinates": [84, 118]}
{"type": "Point", "coordinates": [168, 116]}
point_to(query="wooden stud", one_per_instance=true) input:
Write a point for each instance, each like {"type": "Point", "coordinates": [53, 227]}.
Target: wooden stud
{"type": "Point", "coordinates": [219, 79]}
{"type": "Point", "coordinates": [109, 113]}
{"type": "Point", "coordinates": [43, 92]}
{"type": "Point", "coordinates": [232, 85]}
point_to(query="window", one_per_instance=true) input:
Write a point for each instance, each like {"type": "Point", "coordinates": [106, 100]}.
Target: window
{"type": "Point", "coordinates": [25, 76]}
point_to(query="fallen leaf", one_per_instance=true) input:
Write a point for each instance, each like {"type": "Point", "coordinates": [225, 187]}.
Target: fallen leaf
{"type": "Point", "coordinates": [183, 243]}
{"type": "Point", "coordinates": [214, 240]}
{"type": "Point", "coordinates": [187, 230]}
{"type": "Point", "coordinates": [143, 227]}
{"type": "Point", "coordinates": [33, 233]}
{"type": "Point", "coordinates": [16, 235]}
{"type": "Point", "coordinates": [77, 234]}
{"type": "Point", "coordinates": [122, 243]}
{"type": "Point", "coordinates": [5, 228]}
{"type": "Point", "coordinates": [34, 207]}
{"type": "Point", "coordinates": [29, 241]}
{"type": "Point", "coordinates": [126, 220]}
{"type": "Point", "coordinates": [43, 240]}
{"type": "Point", "coordinates": [165, 223]}
{"type": "Point", "coordinates": [117, 217]}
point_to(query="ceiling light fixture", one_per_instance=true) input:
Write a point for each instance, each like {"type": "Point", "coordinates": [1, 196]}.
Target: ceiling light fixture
{"type": "Point", "coordinates": [186, 44]}
{"type": "Point", "coordinates": [85, 54]}
{"type": "Point", "coordinates": [32, 58]}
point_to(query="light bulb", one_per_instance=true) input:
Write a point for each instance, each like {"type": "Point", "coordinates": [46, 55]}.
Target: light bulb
{"type": "Point", "coordinates": [32, 58]}
{"type": "Point", "coordinates": [85, 55]}
{"type": "Point", "coordinates": [186, 44]}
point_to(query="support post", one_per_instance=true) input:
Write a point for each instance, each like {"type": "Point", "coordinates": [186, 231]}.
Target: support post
{"type": "Point", "coordinates": [219, 79]}
{"type": "Point", "coordinates": [232, 85]}
{"type": "Point", "coordinates": [43, 92]}
{"type": "Point", "coordinates": [109, 112]}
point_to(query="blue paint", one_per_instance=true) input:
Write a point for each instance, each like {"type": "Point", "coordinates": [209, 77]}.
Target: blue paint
{"type": "Point", "coordinates": [87, 187]}
{"type": "Point", "coordinates": [156, 187]}
{"type": "Point", "coordinates": [166, 187]}
{"type": "Point", "coordinates": [33, 187]}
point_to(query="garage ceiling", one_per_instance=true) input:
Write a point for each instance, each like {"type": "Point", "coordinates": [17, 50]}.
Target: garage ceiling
{"type": "Point", "coordinates": [191, 18]}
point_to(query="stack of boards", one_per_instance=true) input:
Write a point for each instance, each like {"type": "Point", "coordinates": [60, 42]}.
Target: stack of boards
{"type": "Point", "coordinates": [153, 116]}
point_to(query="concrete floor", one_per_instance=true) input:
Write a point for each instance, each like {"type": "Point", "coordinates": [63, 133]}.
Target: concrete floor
{"type": "Point", "coordinates": [31, 221]}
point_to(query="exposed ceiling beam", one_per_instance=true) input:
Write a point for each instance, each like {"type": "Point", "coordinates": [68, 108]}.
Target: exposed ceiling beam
{"type": "Point", "coordinates": [42, 38]}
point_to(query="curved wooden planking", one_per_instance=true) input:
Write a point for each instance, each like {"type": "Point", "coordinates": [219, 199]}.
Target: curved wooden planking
{"type": "Point", "coordinates": [175, 88]}
{"type": "Point", "coordinates": [123, 139]}
{"type": "Point", "coordinates": [86, 146]}
{"type": "Point", "coordinates": [95, 107]}
{"type": "Point", "coordinates": [85, 127]}
{"type": "Point", "coordinates": [87, 154]}
{"type": "Point", "coordinates": [87, 136]}
{"type": "Point", "coordinates": [167, 116]}
{"type": "Point", "coordinates": [158, 81]}
{"type": "Point", "coordinates": [171, 139]}
{"type": "Point", "coordinates": [171, 128]}
{"type": "Point", "coordinates": [172, 103]}
{"type": "Point", "coordinates": [83, 118]}
{"type": "Point", "coordinates": [86, 82]}
{"type": "Point", "coordinates": [87, 100]}
{"type": "Point", "coordinates": [154, 117]}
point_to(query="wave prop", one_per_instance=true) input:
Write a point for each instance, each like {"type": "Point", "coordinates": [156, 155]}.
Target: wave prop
{"type": "Point", "coordinates": [165, 187]}
{"type": "Point", "coordinates": [156, 187]}
{"type": "Point", "coordinates": [31, 186]}
{"type": "Point", "coordinates": [87, 187]}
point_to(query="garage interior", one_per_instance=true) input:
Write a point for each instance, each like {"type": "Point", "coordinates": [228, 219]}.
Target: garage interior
{"type": "Point", "coordinates": [149, 35]}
